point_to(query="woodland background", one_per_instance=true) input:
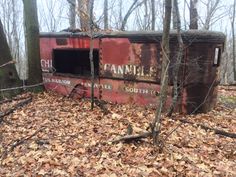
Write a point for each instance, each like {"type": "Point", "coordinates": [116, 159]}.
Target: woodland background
{"type": "Point", "coordinates": [46, 134]}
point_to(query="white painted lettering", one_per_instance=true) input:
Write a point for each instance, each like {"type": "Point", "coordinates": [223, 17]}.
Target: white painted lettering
{"type": "Point", "coordinates": [113, 69]}
{"type": "Point", "coordinates": [120, 69]}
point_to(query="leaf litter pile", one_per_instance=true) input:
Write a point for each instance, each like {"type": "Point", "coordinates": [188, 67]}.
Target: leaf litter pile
{"type": "Point", "coordinates": [58, 136]}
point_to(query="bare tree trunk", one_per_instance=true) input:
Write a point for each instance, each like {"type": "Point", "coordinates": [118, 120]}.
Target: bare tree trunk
{"type": "Point", "coordinates": [153, 8]}
{"type": "Point", "coordinates": [91, 28]}
{"type": "Point", "coordinates": [32, 44]}
{"type": "Point", "coordinates": [233, 40]}
{"type": "Point", "coordinates": [8, 74]}
{"type": "Point", "coordinates": [72, 14]}
{"type": "Point", "coordinates": [177, 86]}
{"type": "Point", "coordinates": [145, 15]}
{"type": "Point", "coordinates": [184, 12]}
{"type": "Point", "coordinates": [105, 14]}
{"type": "Point", "coordinates": [83, 9]}
{"type": "Point", "coordinates": [156, 125]}
{"type": "Point", "coordinates": [15, 52]}
{"type": "Point", "coordinates": [120, 12]}
{"type": "Point", "coordinates": [193, 14]}
{"type": "Point", "coordinates": [174, 15]}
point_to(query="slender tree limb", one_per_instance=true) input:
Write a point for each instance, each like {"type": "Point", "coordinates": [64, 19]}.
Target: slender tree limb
{"type": "Point", "coordinates": [71, 2]}
{"type": "Point", "coordinates": [129, 12]}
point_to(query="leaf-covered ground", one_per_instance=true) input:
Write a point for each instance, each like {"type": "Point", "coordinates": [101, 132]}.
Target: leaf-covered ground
{"type": "Point", "coordinates": [58, 136]}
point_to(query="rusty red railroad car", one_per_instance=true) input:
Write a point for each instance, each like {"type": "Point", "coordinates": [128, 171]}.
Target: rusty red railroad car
{"type": "Point", "coordinates": [128, 66]}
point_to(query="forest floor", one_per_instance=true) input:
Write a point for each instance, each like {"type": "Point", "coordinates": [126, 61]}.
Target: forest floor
{"type": "Point", "coordinates": [58, 136]}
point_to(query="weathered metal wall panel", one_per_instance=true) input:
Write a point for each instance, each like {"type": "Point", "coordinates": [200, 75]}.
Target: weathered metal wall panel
{"type": "Point", "coordinates": [130, 61]}
{"type": "Point", "coordinates": [200, 84]}
{"type": "Point", "coordinates": [116, 91]}
{"type": "Point", "coordinates": [130, 67]}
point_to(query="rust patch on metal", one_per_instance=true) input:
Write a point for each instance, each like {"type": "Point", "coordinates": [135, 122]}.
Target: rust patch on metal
{"type": "Point", "coordinates": [146, 57]}
{"type": "Point", "coordinates": [61, 41]}
{"type": "Point", "coordinates": [130, 77]}
{"type": "Point", "coordinates": [107, 73]}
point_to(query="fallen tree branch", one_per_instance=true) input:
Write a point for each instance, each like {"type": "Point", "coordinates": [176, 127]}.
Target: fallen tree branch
{"type": "Point", "coordinates": [8, 63]}
{"type": "Point", "coordinates": [11, 110]}
{"type": "Point", "coordinates": [19, 142]}
{"type": "Point", "coordinates": [13, 99]}
{"type": "Point", "coordinates": [132, 137]}
{"type": "Point", "coordinates": [216, 131]}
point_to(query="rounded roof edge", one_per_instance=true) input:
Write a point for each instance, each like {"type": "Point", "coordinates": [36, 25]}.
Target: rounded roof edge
{"type": "Point", "coordinates": [145, 36]}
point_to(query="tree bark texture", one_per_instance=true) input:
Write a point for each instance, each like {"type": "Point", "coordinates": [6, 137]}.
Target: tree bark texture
{"type": "Point", "coordinates": [156, 125]}
{"type": "Point", "coordinates": [32, 43]}
{"type": "Point", "coordinates": [146, 17]}
{"type": "Point", "coordinates": [105, 14]}
{"type": "Point", "coordinates": [91, 28]}
{"type": "Point", "coordinates": [233, 37]}
{"type": "Point", "coordinates": [193, 14]}
{"type": "Point", "coordinates": [174, 15]}
{"type": "Point", "coordinates": [153, 8]}
{"type": "Point", "coordinates": [8, 73]}
{"type": "Point", "coordinates": [83, 9]}
{"type": "Point", "coordinates": [72, 14]}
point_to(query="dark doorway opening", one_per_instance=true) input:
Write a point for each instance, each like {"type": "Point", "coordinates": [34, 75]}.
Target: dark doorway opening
{"type": "Point", "coordinates": [75, 62]}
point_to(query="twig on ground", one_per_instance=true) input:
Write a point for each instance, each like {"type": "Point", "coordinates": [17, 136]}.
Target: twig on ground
{"type": "Point", "coordinates": [11, 110]}
{"type": "Point", "coordinates": [19, 142]}
{"type": "Point", "coordinates": [136, 137]}
{"type": "Point", "coordinates": [101, 105]}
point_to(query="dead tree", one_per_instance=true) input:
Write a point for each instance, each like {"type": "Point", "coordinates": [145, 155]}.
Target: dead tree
{"type": "Point", "coordinates": [91, 28]}
{"type": "Point", "coordinates": [156, 125]}
{"type": "Point", "coordinates": [177, 86]}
